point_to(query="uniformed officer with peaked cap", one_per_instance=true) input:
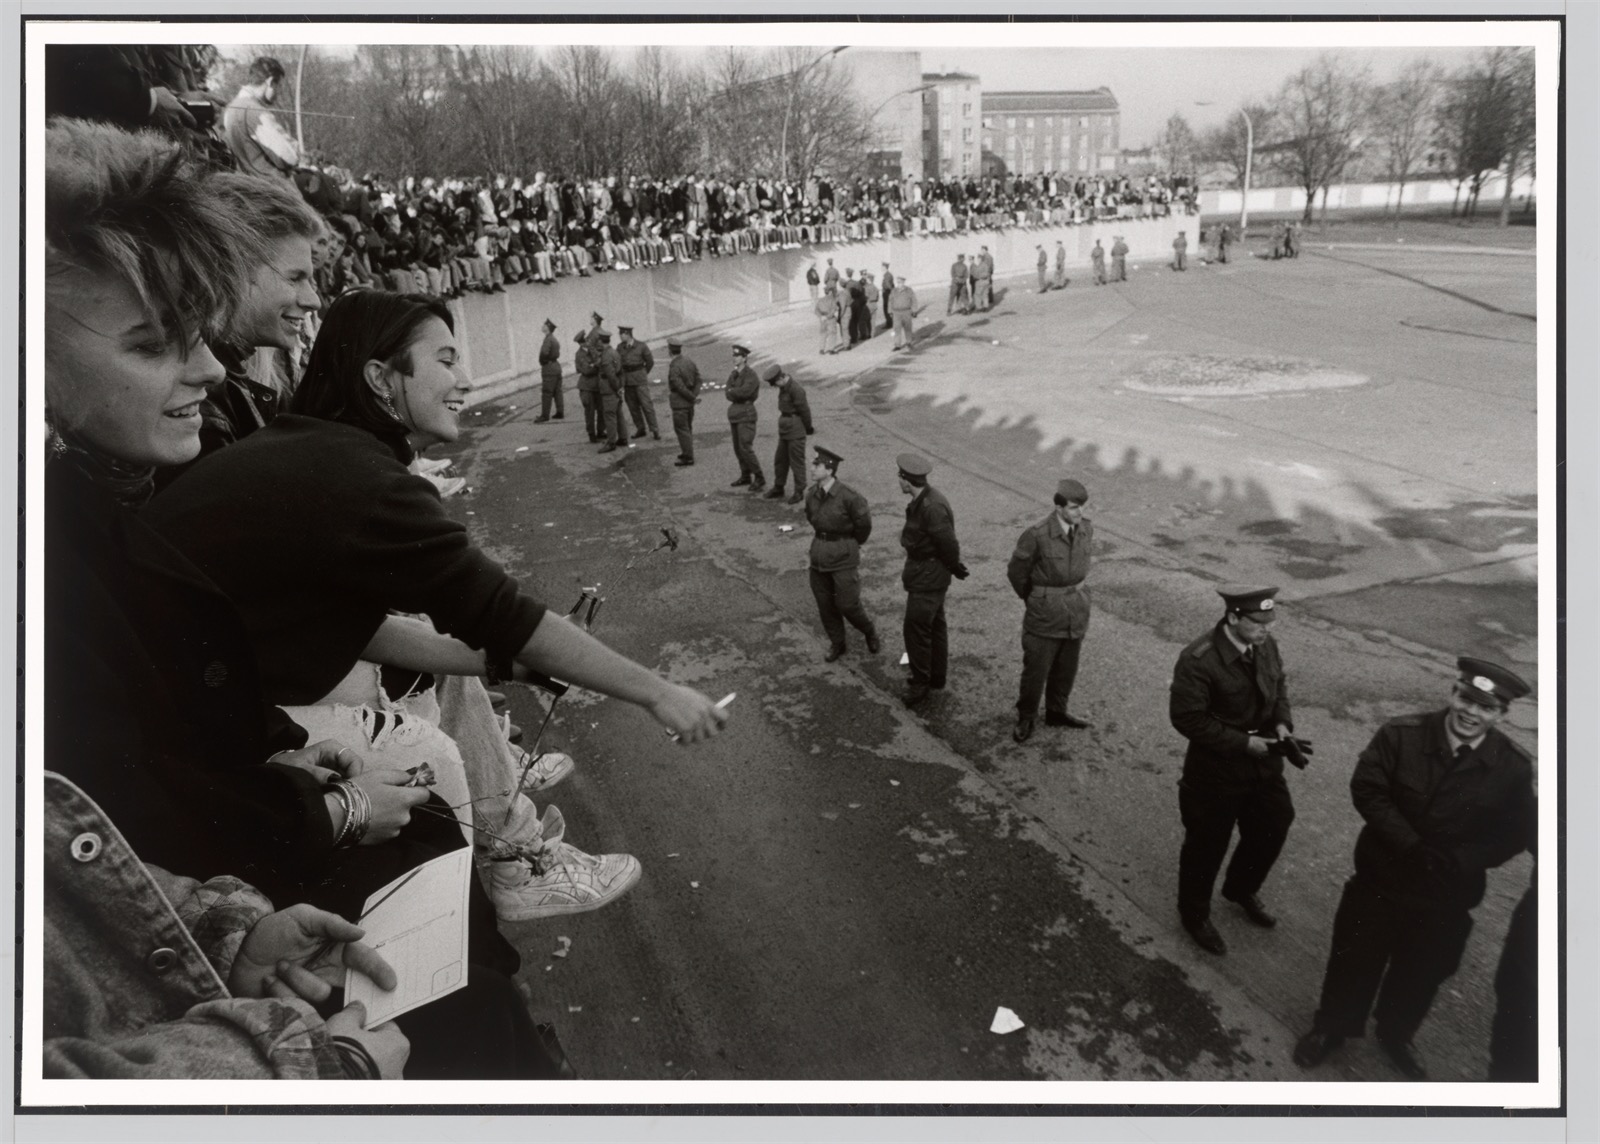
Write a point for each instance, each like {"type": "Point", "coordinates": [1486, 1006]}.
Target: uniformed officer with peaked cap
{"type": "Point", "coordinates": [1445, 797]}
{"type": "Point", "coordinates": [933, 556]}
{"type": "Point", "coordinates": [842, 522]}
{"type": "Point", "coordinates": [1230, 700]}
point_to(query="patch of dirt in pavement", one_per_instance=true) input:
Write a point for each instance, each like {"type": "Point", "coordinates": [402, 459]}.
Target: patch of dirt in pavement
{"type": "Point", "coordinates": [1216, 375]}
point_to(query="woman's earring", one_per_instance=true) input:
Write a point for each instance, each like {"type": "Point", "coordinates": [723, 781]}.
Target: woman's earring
{"type": "Point", "coordinates": [387, 397]}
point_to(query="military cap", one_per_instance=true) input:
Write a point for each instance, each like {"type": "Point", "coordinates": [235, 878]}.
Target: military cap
{"type": "Point", "coordinates": [1249, 600]}
{"type": "Point", "coordinates": [621, 329]}
{"type": "Point", "coordinates": [1489, 681]}
{"type": "Point", "coordinates": [1072, 491]}
{"type": "Point", "coordinates": [581, 339]}
{"type": "Point", "coordinates": [605, 336]}
{"type": "Point", "coordinates": [549, 323]}
{"type": "Point", "coordinates": [828, 457]}
{"type": "Point", "coordinates": [741, 349]}
{"type": "Point", "coordinates": [674, 343]}
{"type": "Point", "coordinates": [912, 465]}
{"type": "Point", "coordinates": [772, 373]}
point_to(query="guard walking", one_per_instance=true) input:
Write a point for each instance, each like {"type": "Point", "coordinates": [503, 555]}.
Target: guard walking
{"type": "Point", "coordinates": [683, 394]}
{"type": "Point", "coordinates": [794, 426]}
{"type": "Point", "coordinates": [933, 556]}
{"type": "Point", "coordinates": [1047, 571]}
{"type": "Point", "coordinates": [1445, 797]}
{"type": "Point", "coordinates": [1231, 701]}
{"type": "Point", "coordinates": [742, 390]}
{"type": "Point", "coordinates": [842, 522]}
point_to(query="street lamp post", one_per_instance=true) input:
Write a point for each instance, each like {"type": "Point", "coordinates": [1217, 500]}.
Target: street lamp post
{"type": "Point", "coordinates": [1249, 155]}
{"type": "Point", "coordinates": [788, 110]}
{"type": "Point", "coordinates": [873, 118]}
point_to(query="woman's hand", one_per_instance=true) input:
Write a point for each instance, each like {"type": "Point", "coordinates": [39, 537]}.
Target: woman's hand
{"type": "Point", "coordinates": [303, 952]}
{"type": "Point", "coordinates": [326, 760]}
{"type": "Point", "coordinates": [392, 798]}
{"type": "Point", "coordinates": [687, 713]}
{"type": "Point", "coordinates": [388, 1045]}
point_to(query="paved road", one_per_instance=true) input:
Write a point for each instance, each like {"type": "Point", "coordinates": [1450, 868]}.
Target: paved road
{"type": "Point", "coordinates": [840, 889]}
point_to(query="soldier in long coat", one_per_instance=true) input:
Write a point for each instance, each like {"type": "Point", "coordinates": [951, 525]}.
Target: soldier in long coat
{"type": "Point", "coordinates": [842, 522]}
{"type": "Point", "coordinates": [683, 394]}
{"type": "Point", "coordinates": [742, 390]}
{"type": "Point", "coordinates": [1047, 571]}
{"type": "Point", "coordinates": [637, 361]}
{"type": "Point", "coordinates": [794, 426]}
{"type": "Point", "coordinates": [550, 375]}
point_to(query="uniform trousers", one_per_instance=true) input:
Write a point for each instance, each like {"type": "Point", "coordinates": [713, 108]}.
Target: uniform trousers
{"type": "Point", "coordinates": [1049, 667]}
{"type": "Point", "coordinates": [959, 299]}
{"type": "Point", "coordinates": [594, 415]}
{"type": "Point", "coordinates": [1100, 273]}
{"type": "Point", "coordinates": [1044, 279]}
{"type": "Point", "coordinates": [902, 331]}
{"type": "Point", "coordinates": [1179, 260]}
{"type": "Point", "coordinates": [1394, 950]}
{"type": "Point", "coordinates": [611, 419]}
{"type": "Point", "coordinates": [550, 394]}
{"type": "Point", "coordinates": [744, 439]}
{"type": "Point", "coordinates": [1121, 266]}
{"type": "Point", "coordinates": [838, 596]}
{"type": "Point", "coordinates": [1262, 810]}
{"type": "Point", "coordinates": [828, 328]}
{"type": "Point", "coordinates": [789, 455]}
{"type": "Point", "coordinates": [641, 408]}
{"type": "Point", "coordinates": [683, 426]}
{"type": "Point", "coordinates": [983, 293]}
{"type": "Point", "coordinates": [927, 638]}
{"type": "Point", "coordinates": [1514, 1039]}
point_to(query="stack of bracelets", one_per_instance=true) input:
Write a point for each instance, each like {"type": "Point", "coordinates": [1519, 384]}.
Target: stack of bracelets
{"type": "Point", "coordinates": [354, 1058]}
{"type": "Point", "coordinates": [357, 812]}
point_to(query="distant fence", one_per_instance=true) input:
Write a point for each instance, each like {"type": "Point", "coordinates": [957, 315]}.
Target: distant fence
{"type": "Point", "coordinates": [500, 334]}
{"type": "Point", "coordinates": [1365, 196]}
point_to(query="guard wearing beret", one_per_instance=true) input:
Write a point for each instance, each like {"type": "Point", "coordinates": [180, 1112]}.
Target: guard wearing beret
{"type": "Point", "coordinates": [683, 394]}
{"type": "Point", "coordinates": [610, 387]}
{"type": "Point", "coordinates": [637, 361]}
{"type": "Point", "coordinates": [933, 556]}
{"type": "Point", "coordinates": [550, 375]}
{"type": "Point", "coordinates": [1231, 701]}
{"type": "Point", "coordinates": [1047, 571]}
{"type": "Point", "coordinates": [794, 426]}
{"type": "Point", "coordinates": [587, 363]}
{"type": "Point", "coordinates": [1445, 796]}
{"type": "Point", "coordinates": [843, 522]}
{"type": "Point", "coordinates": [742, 390]}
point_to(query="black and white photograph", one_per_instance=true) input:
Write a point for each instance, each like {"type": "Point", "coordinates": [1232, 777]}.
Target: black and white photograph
{"type": "Point", "coordinates": [525, 587]}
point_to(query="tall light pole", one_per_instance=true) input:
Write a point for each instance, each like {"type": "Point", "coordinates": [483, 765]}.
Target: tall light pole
{"type": "Point", "coordinates": [1249, 155]}
{"type": "Point", "coordinates": [873, 118]}
{"type": "Point", "coordinates": [788, 110]}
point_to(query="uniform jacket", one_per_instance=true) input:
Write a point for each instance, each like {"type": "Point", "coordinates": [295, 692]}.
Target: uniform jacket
{"type": "Point", "coordinates": [587, 363]}
{"type": "Point", "coordinates": [826, 306]}
{"type": "Point", "coordinates": [1047, 570]}
{"type": "Point", "coordinates": [683, 383]}
{"type": "Point", "coordinates": [637, 362]}
{"type": "Point", "coordinates": [1044, 258]}
{"type": "Point", "coordinates": [1180, 244]}
{"type": "Point", "coordinates": [742, 390]}
{"type": "Point", "coordinates": [1409, 788]}
{"type": "Point", "coordinates": [1217, 700]}
{"type": "Point", "coordinates": [958, 272]}
{"type": "Point", "coordinates": [983, 266]}
{"type": "Point", "coordinates": [1119, 250]}
{"type": "Point", "coordinates": [843, 522]}
{"type": "Point", "coordinates": [610, 369]}
{"type": "Point", "coordinates": [929, 537]}
{"type": "Point", "coordinates": [135, 960]}
{"type": "Point", "coordinates": [1098, 254]}
{"type": "Point", "coordinates": [794, 412]}
{"type": "Point", "coordinates": [903, 300]}
{"type": "Point", "coordinates": [550, 360]}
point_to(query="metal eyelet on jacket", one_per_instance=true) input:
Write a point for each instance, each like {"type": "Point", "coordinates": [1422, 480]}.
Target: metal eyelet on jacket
{"type": "Point", "coordinates": [85, 847]}
{"type": "Point", "coordinates": [162, 960]}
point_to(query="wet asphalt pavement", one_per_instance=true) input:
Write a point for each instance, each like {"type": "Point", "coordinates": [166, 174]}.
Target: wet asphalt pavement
{"type": "Point", "coordinates": [837, 888]}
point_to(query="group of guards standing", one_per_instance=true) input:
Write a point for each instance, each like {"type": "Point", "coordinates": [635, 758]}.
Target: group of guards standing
{"type": "Point", "coordinates": [1444, 795]}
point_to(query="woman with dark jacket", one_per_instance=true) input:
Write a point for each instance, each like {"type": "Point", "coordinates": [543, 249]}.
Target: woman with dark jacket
{"type": "Point", "coordinates": [152, 703]}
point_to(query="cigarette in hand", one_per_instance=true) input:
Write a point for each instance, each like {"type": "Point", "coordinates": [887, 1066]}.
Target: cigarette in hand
{"type": "Point", "coordinates": [720, 704]}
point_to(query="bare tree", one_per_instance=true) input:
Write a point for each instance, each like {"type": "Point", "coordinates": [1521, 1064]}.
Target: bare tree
{"type": "Point", "coordinates": [1483, 117]}
{"type": "Point", "coordinates": [1323, 109]}
{"type": "Point", "coordinates": [1520, 125]}
{"type": "Point", "coordinates": [1176, 146]}
{"type": "Point", "coordinates": [591, 109]}
{"type": "Point", "coordinates": [1228, 144]}
{"type": "Point", "coordinates": [662, 97]}
{"type": "Point", "coordinates": [1401, 114]}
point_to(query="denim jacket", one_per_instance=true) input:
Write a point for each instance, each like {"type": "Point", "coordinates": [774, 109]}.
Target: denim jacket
{"type": "Point", "coordinates": [135, 960]}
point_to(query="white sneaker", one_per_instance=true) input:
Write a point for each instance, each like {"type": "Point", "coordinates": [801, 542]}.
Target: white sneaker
{"type": "Point", "coordinates": [428, 466]}
{"type": "Point", "coordinates": [561, 880]}
{"type": "Point", "coordinates": [449, 486]}
{"type": "Point", "coordinates": [547, 770]}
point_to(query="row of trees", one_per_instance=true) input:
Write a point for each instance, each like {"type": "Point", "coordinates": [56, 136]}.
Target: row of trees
{"type": "Point", "coordinates": [1330, 117]}
{"type": "Point", "coordinates": [576, 109]}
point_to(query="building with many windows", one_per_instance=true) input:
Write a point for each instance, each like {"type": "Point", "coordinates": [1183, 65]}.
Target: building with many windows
{"type": "Point", "coordinates": [951, 118]}
{"type": "Point", "coordinates": [1024, 132]}
{"type": "Point", "coordinates": [888, 85]}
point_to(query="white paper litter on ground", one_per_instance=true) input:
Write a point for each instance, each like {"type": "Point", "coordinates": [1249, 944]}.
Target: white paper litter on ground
{"type": "Point", "coordinates": [785, 528]}
{"type": "Point", "coordinates": [563, 947]}
{"type": "Point", "coordinates": [905, 658]}
{"type": "Point", "coordinates": [1005, 1021]}
{"type": "Point", "coordinates": [524, 448]}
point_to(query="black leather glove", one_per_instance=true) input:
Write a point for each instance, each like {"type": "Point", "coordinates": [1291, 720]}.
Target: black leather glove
{"type": "Point", "coordinates": [960, 571]}
{"type": "Point", "coordinates": [1297, 751]}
